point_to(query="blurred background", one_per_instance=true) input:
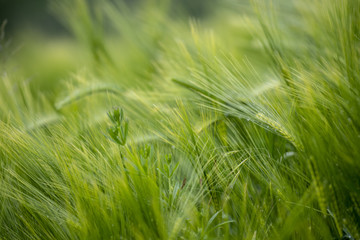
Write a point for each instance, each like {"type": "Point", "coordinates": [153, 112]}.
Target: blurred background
{"type": "Point", "coordinates": [47, 45]}
{"type": "Point", "coordinates": [37, 15]}
{"type": "Point", "coordinates": [25, 14]}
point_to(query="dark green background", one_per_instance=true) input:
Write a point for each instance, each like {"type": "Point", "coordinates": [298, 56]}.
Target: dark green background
{"type": "Point", "coordinates": [35, 14]}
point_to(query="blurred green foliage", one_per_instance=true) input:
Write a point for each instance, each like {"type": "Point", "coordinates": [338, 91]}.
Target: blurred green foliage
{"type": "Point", "coordinates": [235, 120]}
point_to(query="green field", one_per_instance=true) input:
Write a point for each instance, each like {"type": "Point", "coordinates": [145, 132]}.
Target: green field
{"type": "Point", "coordinates": [197, 120]}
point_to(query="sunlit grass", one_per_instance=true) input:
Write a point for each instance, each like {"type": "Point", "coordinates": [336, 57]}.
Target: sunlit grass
{"type": "Point", "coordinates": [244, 124]}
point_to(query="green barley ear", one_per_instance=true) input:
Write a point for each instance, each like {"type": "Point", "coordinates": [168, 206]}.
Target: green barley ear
{"type": "Point", "coordinates": [276, 126]}
{"type": "Point", "coordinates": [119, 130]}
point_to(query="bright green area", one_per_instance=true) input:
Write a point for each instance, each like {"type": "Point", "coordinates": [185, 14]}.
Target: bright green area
{"type": "Point", "coordinates": [243, 124]}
